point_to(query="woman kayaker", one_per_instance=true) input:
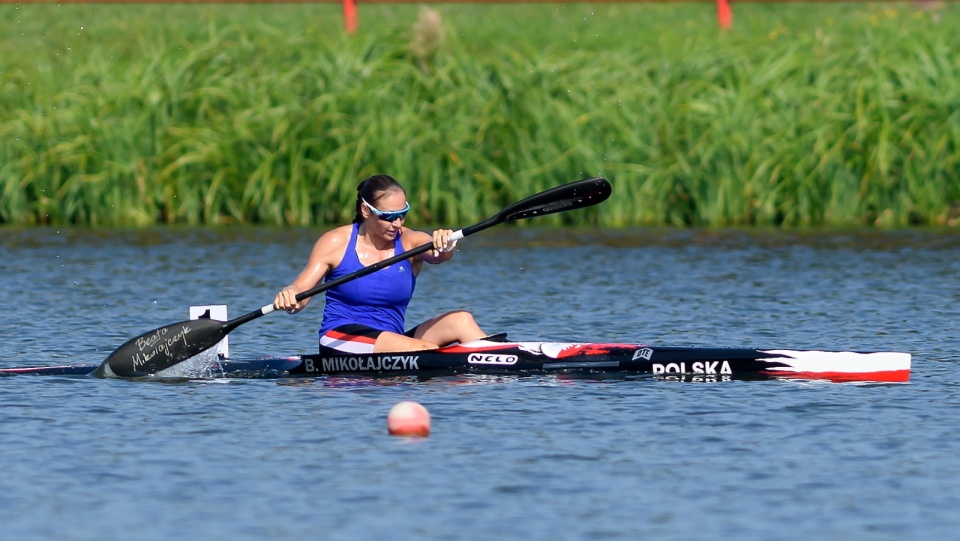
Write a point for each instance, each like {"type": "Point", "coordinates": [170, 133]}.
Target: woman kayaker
{"type": "Point", "coordinates": [367, 314]}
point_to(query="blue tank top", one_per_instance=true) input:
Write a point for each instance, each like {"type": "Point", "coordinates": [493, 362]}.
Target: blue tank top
{"type": "Point", "coordinates": [378, 299]}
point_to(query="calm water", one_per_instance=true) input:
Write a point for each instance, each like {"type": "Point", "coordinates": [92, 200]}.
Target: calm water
{"type": "Point", "coordinates": [538, 458]}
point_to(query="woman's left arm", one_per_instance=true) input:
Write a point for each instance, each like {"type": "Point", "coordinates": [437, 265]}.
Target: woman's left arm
{"type": "Point", "coordinates": [443, 247]}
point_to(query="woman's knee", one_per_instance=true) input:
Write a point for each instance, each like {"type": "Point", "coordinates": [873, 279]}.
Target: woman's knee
{"type": "Point", "coordinates": [458, 317]}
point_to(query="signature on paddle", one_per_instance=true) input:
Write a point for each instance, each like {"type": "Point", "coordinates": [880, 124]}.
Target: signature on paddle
{"type": "Point", "coordinates": [158, 342]}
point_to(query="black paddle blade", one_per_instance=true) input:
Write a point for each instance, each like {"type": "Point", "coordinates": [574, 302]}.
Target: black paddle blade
{"type": "Point", "coordinates": [572, 196]}
{"type": "Point", "coordinates": [575, 195]}
{"type": "Point", "coordinates": [165, 347]}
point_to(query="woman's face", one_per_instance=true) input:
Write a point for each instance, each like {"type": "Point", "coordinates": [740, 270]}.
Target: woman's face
{"type": "Point", "coordinates": [392, 201]}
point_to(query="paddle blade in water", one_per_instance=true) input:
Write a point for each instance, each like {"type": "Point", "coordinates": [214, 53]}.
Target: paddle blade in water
{"type": "Point", "coordinates": [165, 347]}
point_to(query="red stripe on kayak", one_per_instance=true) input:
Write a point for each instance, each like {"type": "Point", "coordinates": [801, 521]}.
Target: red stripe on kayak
{"type": "Point", "coordinates": [457, 348]}
{"type": "Point", "coordinates": [589, 349]}
{"type": "Point", "coordinates": [883, 375]}
{"type": "Point", "coordinates": [30, 369]}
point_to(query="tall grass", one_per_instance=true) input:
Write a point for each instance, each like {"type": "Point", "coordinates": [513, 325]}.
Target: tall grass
{"type": "Point", "coordinates": [270, 114]}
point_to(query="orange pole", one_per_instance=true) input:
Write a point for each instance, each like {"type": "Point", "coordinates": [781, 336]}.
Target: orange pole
{"type": "Point", "coordinates": [350, 15]}
{"type": "Point", "coordinates": [724, 14]}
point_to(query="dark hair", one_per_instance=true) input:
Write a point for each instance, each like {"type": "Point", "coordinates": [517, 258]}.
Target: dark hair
{"type": "Point", "coordinates": [372, 189]}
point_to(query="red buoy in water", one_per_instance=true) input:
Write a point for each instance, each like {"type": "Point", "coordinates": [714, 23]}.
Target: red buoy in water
{"type": "Point", "coordinates": [408, 419]}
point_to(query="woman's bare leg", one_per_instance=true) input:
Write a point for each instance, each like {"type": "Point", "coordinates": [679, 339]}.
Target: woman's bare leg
{"type": "Point", "coordinates": [456, 326]}
{"type": "Point", "coordinates": [391, 341]}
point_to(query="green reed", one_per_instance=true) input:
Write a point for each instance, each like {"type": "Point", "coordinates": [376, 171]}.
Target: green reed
{"type": "Point", "coordinates": [271, 114]}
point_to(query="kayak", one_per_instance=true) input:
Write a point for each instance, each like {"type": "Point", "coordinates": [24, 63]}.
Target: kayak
{"type": "Point", "coordinates": [496, 355]}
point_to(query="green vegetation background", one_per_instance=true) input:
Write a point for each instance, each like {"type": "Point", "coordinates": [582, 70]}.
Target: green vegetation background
{"type": "Point", "coordinates": [816, 114]}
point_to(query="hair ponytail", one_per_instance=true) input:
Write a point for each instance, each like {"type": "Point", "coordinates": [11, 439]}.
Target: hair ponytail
{"type": "Point", "coordinates": [358, 216]}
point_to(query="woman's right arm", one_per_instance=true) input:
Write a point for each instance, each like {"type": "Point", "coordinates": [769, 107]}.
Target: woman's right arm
{"type": "Point", "coordinates": [326, 254]}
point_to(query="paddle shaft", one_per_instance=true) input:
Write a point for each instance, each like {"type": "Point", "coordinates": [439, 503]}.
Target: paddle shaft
{"type": "Point", "coordinates": [577, 194]}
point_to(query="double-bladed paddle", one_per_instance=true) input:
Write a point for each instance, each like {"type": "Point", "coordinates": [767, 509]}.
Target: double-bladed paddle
{"type": "Point", "coordinates": [164, 347]}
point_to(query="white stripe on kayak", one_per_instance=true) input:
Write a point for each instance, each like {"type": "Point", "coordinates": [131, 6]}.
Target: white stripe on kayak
{"type": "Point", "coordinates": [841, 361]}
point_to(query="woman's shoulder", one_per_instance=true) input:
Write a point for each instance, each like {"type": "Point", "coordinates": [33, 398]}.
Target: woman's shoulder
{"type": "Point", "coordinates": [335, 239]}
{"type": "Point", "coordinates": [339, 233]}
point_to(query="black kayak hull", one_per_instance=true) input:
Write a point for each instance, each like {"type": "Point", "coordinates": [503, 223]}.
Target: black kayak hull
{"type": "Point", "coordinates": [551, 357]}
